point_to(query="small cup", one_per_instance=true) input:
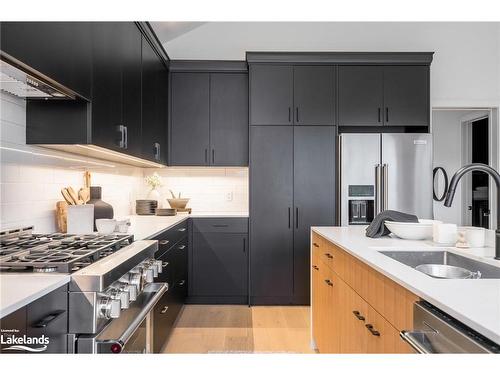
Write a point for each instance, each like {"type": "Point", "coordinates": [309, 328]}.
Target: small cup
{"type": "Point", "coordinates": [475, 236]}
{"type": "Point", "coordinates": [444, 234]}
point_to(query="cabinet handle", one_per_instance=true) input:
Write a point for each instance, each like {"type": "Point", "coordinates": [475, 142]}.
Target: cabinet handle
{"type": "Point", "coordinates": [164, 264]}
{"type": "Point", "coordinates": [164, 242]}
{"type": "Point", "coordinates": [289, 114]}
{"type": "Point", "coordinates": [315, 267]}
{"type": "Point", "coordinates": [206, 156]}
{"type": "Point", "coordinates": [164, 310]}
{"type": "Point", "coordinates": [296, 217]}
{"type": "Point", "coordinates": [213, 156]}
{"type": "Point", "coordinates": [45, 321]}
{"type": "Point", "coordinates": [182, 282]}
{"type": "Point", "coordinates": [329, 256]}
{"type": "Point", "coordinates": [358, 315]}
{"type": "Point", "coordinates": [126, 137]}
{"type": "Point", "coordinates": [297, 113]}
{"type": "Point", "coordinates": [220, 225]}
{"type": "Point", "coordinates": [121, 130]}
{"type": "Point", "coordinates": [328, 282]}
{"type": "Point", "coordinates": [379, 110]}
{"type": "Point", "coordinates": [181, 229]}
{"type": "Point", "coordinates": [289, 216]}
{"type": "Point", "coordinates": [315, 244]}
{"type": "Point", "coordinates": [244, 245]}
{"type": "Point", "coordinates": [182, 247]}
{"type": "Point", "coordinates": [372, 330]}
{"type": "Point", "coordinates": [386, 114]}
{"type": "Point", "coordinates": [156, 146]}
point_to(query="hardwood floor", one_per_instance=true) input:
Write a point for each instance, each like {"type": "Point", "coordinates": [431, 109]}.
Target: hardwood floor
{"type": "Point", "coordinates": [240, 329]}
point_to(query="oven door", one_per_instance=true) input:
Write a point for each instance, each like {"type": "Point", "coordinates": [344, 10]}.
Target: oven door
{"type": "Point", "coordinates": [132, 331]}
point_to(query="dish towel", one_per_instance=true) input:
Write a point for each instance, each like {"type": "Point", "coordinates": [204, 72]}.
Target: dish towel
{"type": "Point", "coordinates": [378, 229]}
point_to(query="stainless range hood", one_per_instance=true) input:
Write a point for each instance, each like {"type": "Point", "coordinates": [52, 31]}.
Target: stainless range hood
{"type": "Point", "coordinates": [22, 81]}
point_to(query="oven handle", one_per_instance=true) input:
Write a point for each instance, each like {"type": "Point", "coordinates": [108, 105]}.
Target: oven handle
{"type": "Point", "coordinates": [410, 339]}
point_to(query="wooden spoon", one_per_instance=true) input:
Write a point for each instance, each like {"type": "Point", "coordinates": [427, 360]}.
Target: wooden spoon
{"type": "Point", "coordinates": [67, 197]}
{"type": "Point", "coordinates": [74, 195]}
{"type": "Point", "coordinates": [84, 195]}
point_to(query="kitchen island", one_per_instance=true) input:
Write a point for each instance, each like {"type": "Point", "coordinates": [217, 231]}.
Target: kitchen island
{"type": "Point", "coordinates": [389, 288]}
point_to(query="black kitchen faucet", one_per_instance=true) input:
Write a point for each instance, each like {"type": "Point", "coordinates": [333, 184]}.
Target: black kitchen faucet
{"type": "Point", "coordinates": [496, 177]}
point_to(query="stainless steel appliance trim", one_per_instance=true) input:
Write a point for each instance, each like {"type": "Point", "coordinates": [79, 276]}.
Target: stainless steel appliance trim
{"type": "Point", "coordinates": [385, 187]}
{"type": "Point", "coordinates": [378, 190]}
{"type": "Point", "coordinates": [409, 337]}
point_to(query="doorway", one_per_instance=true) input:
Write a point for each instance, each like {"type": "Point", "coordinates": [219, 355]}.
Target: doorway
{"type": "Point", "coordinates": [480, 206]}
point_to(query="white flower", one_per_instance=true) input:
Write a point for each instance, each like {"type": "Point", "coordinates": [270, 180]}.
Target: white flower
{"type": "Point", "coordinates": [154, 180]}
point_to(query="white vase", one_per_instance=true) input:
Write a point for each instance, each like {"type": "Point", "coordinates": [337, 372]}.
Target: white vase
{"type": "Point", "coordinates": [154, 194]}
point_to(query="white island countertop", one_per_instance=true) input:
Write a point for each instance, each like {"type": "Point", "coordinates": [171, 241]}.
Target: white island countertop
{"type": "Point", "coordinates": [145, 227]}
{"type": "Point", "coordinates": [475, 303]}
{"type": "Point", "coordinates": [20, 289]}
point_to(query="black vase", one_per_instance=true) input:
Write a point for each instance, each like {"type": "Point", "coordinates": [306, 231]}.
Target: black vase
{"type": "Point", "coordinates": [102, 210]}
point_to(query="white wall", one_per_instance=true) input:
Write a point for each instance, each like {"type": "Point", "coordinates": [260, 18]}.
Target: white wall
{"type": "Point", "coordinates": [465, 70]}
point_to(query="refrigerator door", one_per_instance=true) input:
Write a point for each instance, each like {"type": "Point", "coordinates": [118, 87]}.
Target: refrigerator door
{"type": "Point", "coordinates": [359, 162]}
{"type": "Point", "coordinates": [407, 173]}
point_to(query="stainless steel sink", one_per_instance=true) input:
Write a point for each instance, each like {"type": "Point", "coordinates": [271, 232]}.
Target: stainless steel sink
{"type": "Point", "coordinates": [416, 258]}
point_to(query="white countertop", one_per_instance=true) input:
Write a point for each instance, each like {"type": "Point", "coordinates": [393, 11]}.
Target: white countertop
{"type": "Point", "coordinates": [475, 303]}
{"type": "Point", "coordinates": [149, 226]}
{"type": "Point", "coordinates": [20, 289]}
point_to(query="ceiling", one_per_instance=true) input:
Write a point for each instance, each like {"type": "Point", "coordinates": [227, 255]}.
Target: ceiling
{"type": "Point", "coordinates": [167, 31]}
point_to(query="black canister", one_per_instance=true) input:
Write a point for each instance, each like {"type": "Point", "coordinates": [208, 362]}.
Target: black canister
{"type": "Point", "coordinates": [102, 210]}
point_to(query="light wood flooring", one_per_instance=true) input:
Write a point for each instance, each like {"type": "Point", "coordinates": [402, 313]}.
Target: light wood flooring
{"type": "Point", "coordinates": [240, 329]}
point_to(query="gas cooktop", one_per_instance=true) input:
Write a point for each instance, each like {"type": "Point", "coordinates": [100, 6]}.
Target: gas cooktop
{"type": "Point", "coordinates": [23, 251]}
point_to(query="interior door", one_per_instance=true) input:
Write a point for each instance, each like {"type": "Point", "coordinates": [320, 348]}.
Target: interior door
{"type": "Point", "coordinates": [314, 95]}
{"type": "Point", "coordinates": [271, 94]}
{"type": "Point", "coordinates": [189, 142]}
{"type": "Point", "coordinates": [313, 195]}
{"type": "Point", "coordinates": [229, 119]}
{"type": "Point", "coordinates": [406, 95]}
{"type": "Point", "coordinates": [407, 173]}
{"type": "Point", "coordinates": [271, 200]}
{"type": "Point", "coordinates": [360, 95]}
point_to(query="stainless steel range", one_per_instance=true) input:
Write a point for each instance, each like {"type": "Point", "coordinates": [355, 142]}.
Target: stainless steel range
{"type": "Point", "coordinates": [112, 289]}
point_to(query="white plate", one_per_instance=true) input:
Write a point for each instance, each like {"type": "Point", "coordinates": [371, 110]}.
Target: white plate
{"type": "Point", "coordinates": [411, 231]}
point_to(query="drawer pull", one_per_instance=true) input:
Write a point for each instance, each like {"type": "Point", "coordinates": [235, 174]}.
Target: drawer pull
{"type": "Point", "coordinates": [315, 267]}
{"type": "Point", "coordinates": [164, 264]}
{"type": "Point", "coordinates": [182, 282]}
{"type": "Point", "coordinates": [315, 244]}
{"type": "Point", "coordinates": [182, 247]}
{"type": "Point", "coordinates": [358, 315]}
{"type": "Point", "coordinates": [328, 282]}
{"type": "Point", "coordinates": [181, 229]}
{"type": "Point", "coordinates": [164, 310]}
{"type": "Point", "coordinates": [164, 242]}
{"type": "Point", "coordinates": [44, 322]}
{"type": "Point", "coordinates": [329, 256]}
{"type": "Point", "coordinates": [220, 225]}
{"type": "Point", "coordinates": [372, 330]}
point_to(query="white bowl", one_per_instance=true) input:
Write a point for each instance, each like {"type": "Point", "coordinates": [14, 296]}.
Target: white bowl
{"type": "Point", "coordinates": [411, 231]}
{"type": "Point", "coordinates": [105, 226]}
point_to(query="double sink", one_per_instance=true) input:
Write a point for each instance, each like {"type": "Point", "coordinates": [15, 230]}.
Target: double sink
{"type": "Point", "coordinates": [445, 264]}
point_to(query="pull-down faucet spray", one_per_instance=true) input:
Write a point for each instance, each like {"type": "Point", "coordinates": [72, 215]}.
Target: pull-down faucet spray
{"type": "Point", "coordinates": [496, 177]}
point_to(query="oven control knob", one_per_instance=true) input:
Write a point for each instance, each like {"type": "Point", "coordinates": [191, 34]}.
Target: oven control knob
{"type": "Point", "coordinates": [148, 274]}
{"type": "Point", "coordinates": [124, 299]}
{"type": "Point", "coordinates": [137, 280]}
{"type": "Point", "coordinates": [132, 292]}
{"type": "Point", "coordinates": [109, 307]}
{"type": "Point", "coordinates": [159, 265]}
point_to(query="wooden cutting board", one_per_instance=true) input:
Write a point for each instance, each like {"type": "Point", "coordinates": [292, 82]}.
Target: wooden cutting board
{"type": "Point", "coordinates": [62, 216]}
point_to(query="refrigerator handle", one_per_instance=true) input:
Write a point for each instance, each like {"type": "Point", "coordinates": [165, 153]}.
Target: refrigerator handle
{"type": "Point", "coordinates": [385, 187]}
{"type": "Point", "coordinates": [377, 189]}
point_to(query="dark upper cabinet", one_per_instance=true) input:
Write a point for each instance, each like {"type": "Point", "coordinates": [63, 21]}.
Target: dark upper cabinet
{"type": "Point", "coordinates": [189, 130]}
{"type": "Point", "coordinates": [229, 119]}
{"type": "Point", "coordinates": [383, 95]}
{"type": "Point", "coordinates": [271, 94]}
{"type": "Point", "coordinates": [116, 104]}
{"type": "Point", "coordinates": [154, 105]}
{"type": "Point", "coordinates": [406, 95]}
{"type": "Point", "coordinates": [314, 95]}
{"type": "Point", "coordinates": [271, 206]}
{"type": "Point", "coordinates": [209, 119]}
{"type": "Point", "coordinates": [58, 50]}
{"type": "Point", "coordinates": [313, 195]}
{"type": "Point", "coordinates": [360, 91]}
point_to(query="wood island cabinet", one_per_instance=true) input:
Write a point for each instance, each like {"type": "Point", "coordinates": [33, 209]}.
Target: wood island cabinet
{"type": "Point", "coordinates": [355, 309]}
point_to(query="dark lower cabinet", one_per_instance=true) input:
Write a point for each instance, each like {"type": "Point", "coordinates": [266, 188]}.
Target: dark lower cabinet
{"type": "Point", "coordinates": [45, 317]}
{"type": "Point", "coordinates": [219, 261]}
{"type": "Point", "coordinates": [313, 197]}
{"type": "Point", "coordinates": [271, 214]}
{"type": "Point", "coordinates": [292, 187]}
{"type": "Point", "coordinates": [173, 252]}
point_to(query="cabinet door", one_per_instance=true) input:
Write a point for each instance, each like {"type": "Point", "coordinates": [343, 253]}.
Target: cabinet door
{"type": "Point", "coordinates": [314, 95]}
{"type": "Point", "coordinates": [354, 338]}
{"type": "Point", "coordinates": [271, 94]}
{"type": "Point", "coordinates": [14, 325]}
{"type": "Point", "coordinates": [331, 313]}
{"type": "Point", "coordinates": [219, 264]}
{"type": "Point", "coordinates": [271, 199]}
{"type": "Point", "coordinates": [59, 50]}
{"type": "Point", "coordinates": [189, 142]}
{"type": "Point", "coordinates": [164, 315]}
{"type": "Point", "coordinates": [360, 91]}
{"type": "Point", "coordinates": [229, 119]}
{"type": "Point", "coordinates": [154, 105]}
{"type": "Point", "coordinates": [313, 195]}
{"type": "Point", "coordinates": [382, 337]}
{"type": "Point", "coordinates": [406, 95]}
{"type": "Point", "coordinates": [316, 305]}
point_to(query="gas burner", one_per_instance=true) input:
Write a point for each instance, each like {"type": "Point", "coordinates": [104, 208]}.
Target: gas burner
{"type": "Point", "coordinates": [44, 269]}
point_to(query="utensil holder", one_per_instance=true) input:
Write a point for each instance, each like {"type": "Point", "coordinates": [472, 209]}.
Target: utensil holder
{"type": "Point", "coordinates": [81, 219]}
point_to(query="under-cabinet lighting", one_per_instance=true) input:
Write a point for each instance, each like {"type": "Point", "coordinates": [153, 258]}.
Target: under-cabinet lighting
{"type": "Point", "coordinates": [33, 153]}
{"type": "Point", "coordinates": [121, 156]}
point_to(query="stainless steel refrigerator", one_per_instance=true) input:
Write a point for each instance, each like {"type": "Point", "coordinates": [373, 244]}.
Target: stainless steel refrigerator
{"type": "Point", "coordinates": [384, 172]}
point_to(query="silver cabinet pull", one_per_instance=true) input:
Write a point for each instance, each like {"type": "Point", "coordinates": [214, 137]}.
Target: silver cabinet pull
{"type": "Point", "coordinates": [164, 242]}
{"type": "Point", "coordinates": [378, 190]}
{"type": "Point", "coordinates": [126, 136]}
{"type": "Point", "coordinates": [182, 247]}
{"type": "Point", "coordinates": [182, 282]}
{"type": "Point", "coordinates": [164, 310]}
{"type": "Point", "coordinates": [157, 151]}
{"type": "Point", "coordinates": [121, 130]}
{"type": "Point", "coordinates": [182, 229]}
{"type": "Point", "coordinates": [385, 179]}
{"type": "Point", "coordinates": [164, 264]}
